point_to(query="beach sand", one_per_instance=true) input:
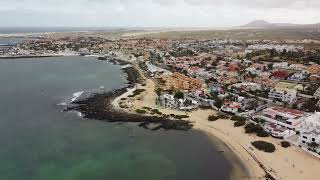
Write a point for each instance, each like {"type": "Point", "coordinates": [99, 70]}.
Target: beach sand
{"type": "Point", "coordinates": [285, 163]}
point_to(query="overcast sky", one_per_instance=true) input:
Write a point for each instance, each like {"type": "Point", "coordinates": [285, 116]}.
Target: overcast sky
{"type": "Point", "coordinates": [155, 13]}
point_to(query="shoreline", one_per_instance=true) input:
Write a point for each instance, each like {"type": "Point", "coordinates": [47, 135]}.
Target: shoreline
{"type": "Point", "coordinates": [285, 163]}
{"type": "Point", "coordinates": [33, 56]}
{"type": "Point", "coordinates": [291, 163]}
{"type": "Point", "coordinates": [111, 99]}
{"type": "Point", "coordinates": [101, 107]}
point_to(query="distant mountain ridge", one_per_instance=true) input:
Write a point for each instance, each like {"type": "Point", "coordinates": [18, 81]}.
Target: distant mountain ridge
{"type": "Point", "coordinates": [266, 24]}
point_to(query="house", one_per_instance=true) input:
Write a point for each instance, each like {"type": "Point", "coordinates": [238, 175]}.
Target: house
{"type": "Point", "coordinates": [298, 76]}
{"type": "Point", "coordinates": [281, 65]}
{"type": "Point", "coordinates": [280, 74]}
{"type": "Point", "coordinates": [284, 117]}
{"type": "Point", "coordinates": [310, 129]}
{"type": "Point", "coordinates": [314, 69]}
{"type": "Point", "coordinates": [283, 95]}
{"type": "Point", "coordinates": [309, 137]}
{"type": "Point", "coordinates": [168, 101]}
{"type": "Point", "coordinates": [277, 131]}
{"type": "Point", "coordinates": [231, 107]}
{"type": "Point", "coordinates": [298, 67]}
{"type": "Point", "coordinates": [247, 86]}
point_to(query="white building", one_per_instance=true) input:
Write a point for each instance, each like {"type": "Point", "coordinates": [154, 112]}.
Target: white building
{"type": "Point", "coordinates": [282, 65]}
{"type": "Point", "coordinates": [168, 101]}
{"type": "Point", "coordinates": [277, 131]}
{"type": "Point", "coordinates": [231, 107]}
{"type": "Point", "coordinates": [284, 117]}
{"type": "Point", "coordinates": [310, 129]}
{"type": "Point", "coordinates": [283, 94]}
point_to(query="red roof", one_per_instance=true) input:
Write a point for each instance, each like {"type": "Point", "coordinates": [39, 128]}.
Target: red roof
{"type": "Point", "coordinates": [280, 74]}
{"type": "Point", "coordinates": [288, 111]}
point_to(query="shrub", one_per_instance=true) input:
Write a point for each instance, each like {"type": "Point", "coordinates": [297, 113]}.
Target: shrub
{"type": "Point", "coordinates": [136, 92]}
{"type": "Point", "coordinates": [285, 144]}
{"type": "Point", "coordinates": [147, 108]}
{"type": "Point", "coordinates": [238, 118]}
{"type": "Point", "coordinates": [239, 123]}
{"type": "Point", "coordinates": [264, 146]}
{"type": "Point", "coordinates": [179, 95]}
{"type": "Point", "coordinates": [141, 111]}
{"type": "Point", "coordinates": [216, 117]}
{"type": "Point", "coordinates": [262, 134]}
{"type": "Point", "coordinates": [156, 111]}
{"type": "Point", "coordinates": [213, 118]}
{"type": "Point", "coordinates": [181, 116]}
{"type": "Point", "coordinates": [253, 128]}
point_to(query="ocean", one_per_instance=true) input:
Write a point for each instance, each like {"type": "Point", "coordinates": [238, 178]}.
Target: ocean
{"type": "Point", "coordinates": [40, 142]}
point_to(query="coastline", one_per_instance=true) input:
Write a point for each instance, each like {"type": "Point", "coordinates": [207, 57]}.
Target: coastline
{"type": "Point", "coordinates": [33, 56]}
{"type": "Point", "coordinates": [291, 163]}
{"type": "Point", "coordinates": [101, 107]}
{"type": "Point", "coordinates": [109, 102]}
{"type": "Point", "coordinates": [285, 163]}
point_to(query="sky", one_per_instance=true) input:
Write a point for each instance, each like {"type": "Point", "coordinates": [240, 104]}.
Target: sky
{"type": "Point", "coordinates": [155, 13]}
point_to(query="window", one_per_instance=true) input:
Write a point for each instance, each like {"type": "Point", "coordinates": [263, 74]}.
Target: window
{"type": "Point", "coordinates": [313, 139]}
{"type": "Point", "coordinates": [288, 122]}
{"type": "Point", "coordinates": [303, 142]}
{"type": "Point", "coordinates": [304, 137]}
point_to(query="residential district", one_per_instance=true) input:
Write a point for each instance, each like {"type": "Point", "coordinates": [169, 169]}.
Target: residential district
{"type": "Point", "coordinates": [273, 84]}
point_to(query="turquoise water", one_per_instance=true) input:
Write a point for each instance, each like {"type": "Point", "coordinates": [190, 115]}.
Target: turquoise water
{"type": "Point", "coordinates": [39, 142]}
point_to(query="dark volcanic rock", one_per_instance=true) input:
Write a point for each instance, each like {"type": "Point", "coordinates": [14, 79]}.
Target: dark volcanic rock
{"type": "Point", "coordinates": [99, 107]}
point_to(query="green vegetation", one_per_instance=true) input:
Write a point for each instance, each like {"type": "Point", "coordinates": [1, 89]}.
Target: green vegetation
{"type": "Point", "coordinates": [136, 92]}
{"type": "Point", "coordinates": [285, 144]}
{"type": "Point", "coordinates": [313, 146]}
{"type": "Point", "coordinates": [237, 118]}
{"type": "Point", "coordinates": [264, 146]}
{"type": "Point", "coordinates": [311, 105]}
{"type": "Point", "coordinates": [263, 134]}
{"type": "Point", "coordinates": [218, 102]}
{"type": "Point", "coordinates": [156, 111]}
{"type": "Point", "coordinates": [255, 128]}
{"type": "Point", "coordinates": [239, 123]}
{"type": "Point", "coordinates": [216, 117]}
{"type": "Point", "coordinates": [141, 111]}
{"type": "Point", "coordinates": [158, 91]}
{"type": "Point", "coordinates": [179, 95]}
{"type": "Point", "coordinates": [181, 116]}
{"type": "Point", "coordinates": [146, 108]}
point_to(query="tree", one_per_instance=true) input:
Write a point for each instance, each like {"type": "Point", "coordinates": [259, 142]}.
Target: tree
{"type": "Point", "coordinates": [158, 91]}
{"type": "Point", "coordinates": [179, 95]}
{"type": "Point", "coordinates": [270, 66]}
{"type": "Point", "coordinates": [285, 144]}
{"type": "Point", "coordinates": [264, 146]}
{"type": "Point", "coordinates": [311, 105]}
{"type": "Point", "coordinates": [218, 102]}
{"type": "Point", "coordinates": [313, 145]}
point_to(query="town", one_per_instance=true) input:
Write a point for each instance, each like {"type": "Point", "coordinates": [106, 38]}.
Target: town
{"type": "Point", "coordinates": [273, 85]}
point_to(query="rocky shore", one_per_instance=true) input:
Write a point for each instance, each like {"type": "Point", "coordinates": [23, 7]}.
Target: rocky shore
{"type": "Point", "coordinates": [99, 107]}
{"type": "Point", "coordinates": [28, 56]}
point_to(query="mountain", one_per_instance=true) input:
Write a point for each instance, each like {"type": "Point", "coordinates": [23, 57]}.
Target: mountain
{"type": "Point", "coordinates": [258, 23]}
{"type": "Point", "coordinates": [266, 24]}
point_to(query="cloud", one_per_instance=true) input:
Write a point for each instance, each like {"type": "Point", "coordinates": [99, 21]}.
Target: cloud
{"type": "Point", "coordinates": [155, 12]}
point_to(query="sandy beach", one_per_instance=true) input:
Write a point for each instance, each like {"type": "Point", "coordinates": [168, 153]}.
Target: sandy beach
{"type": "Point", "coordinates": [285, 163]}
